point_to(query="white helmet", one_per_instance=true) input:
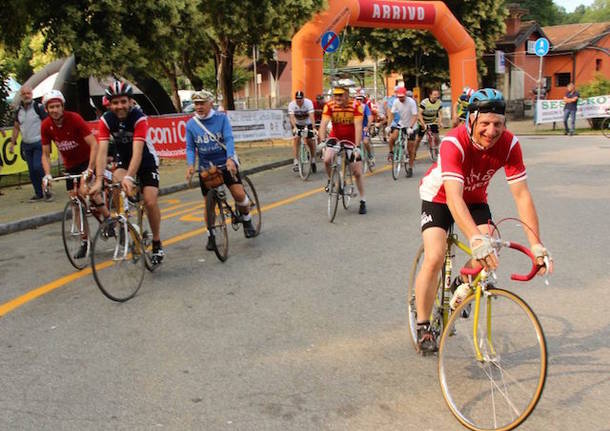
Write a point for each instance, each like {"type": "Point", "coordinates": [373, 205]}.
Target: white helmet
{"type": "Point", "coordinates": [53, 95]}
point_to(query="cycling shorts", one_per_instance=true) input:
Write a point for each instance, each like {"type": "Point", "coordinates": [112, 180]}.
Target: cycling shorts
{"type": "Point", "coordinates": [433, 128]}
{"type": "Point", "coordinates": [148, 177]}
{"type": "Point", "coordinates": [435, 214]}
{"type": "Point", "coordinates": [352, 153]}
{"type": "Point", "coordinates": [228, 179]}
{"type": "Point", "coordinates": [75, 170]}
{"type": "Point", "coordinates": [404, 130]}
{"type": "Point", "coordinates": [309, 128]}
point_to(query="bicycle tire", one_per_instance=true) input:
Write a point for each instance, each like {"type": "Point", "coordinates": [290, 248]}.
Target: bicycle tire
{"type": "Point", "coordinates": [334, 189]}
{"type": "Point", "coordinates": [508, 357]}
{"type": "Point", "coordinates": [304, 160]}
{"type": "Point", "coordinates": [255, 206]}
{"type": "Point", "coordinates": [436, 316]}
{"type": "Point", "coordinates": [433, 148]}
{"type": "Point", "coordinates": [348, 186]}
{"type": "Point", "coordinates": [147, 245]}
{"type": "Point", "coordinates": [72, 238]}
{"type": "Point", "coordinates": [217, 225]}
{"type": "Point", "coordinates": [606, 127]}
{"type": "Point", "coordinates": [118, 272]}
{"type": "Point", "coordinates": [396, 161]}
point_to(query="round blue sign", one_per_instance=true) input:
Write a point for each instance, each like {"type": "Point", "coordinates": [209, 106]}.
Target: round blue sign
{"type": "Point", "coordinates": [330, 42]}
{"type": "Point", "coordinates": [542, 47]}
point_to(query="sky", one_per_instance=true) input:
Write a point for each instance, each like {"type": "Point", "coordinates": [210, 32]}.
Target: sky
{"type": "Point", "coordinates": [570, 5]}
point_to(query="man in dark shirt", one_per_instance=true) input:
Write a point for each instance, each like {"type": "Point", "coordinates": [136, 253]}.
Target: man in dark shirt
{"type": "Point", "coordinates": [569, 110]}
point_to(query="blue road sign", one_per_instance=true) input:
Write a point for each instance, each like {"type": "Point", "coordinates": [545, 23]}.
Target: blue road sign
{"type": "Point", "coordinates": [542, 47]}
{"type": "Point", "coordinates": [330, 42]}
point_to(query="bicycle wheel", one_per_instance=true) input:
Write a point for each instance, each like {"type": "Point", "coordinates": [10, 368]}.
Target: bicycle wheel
{"type": "Point", "coordinates": [606, 127]}
{"type": "Point", "coordinates": [117, 259]}
{"type": "Point", "coordinates": [75, 227]}
{"type": "Point", "coordinates": [255, 206]}
{"type": "Point", "coordinates": [348, 186]}
{"type": "Point", "coordinates": [146, 234]}
{"type": "Point", "coordinates": [334, 189]}
{"type": "Point", "coordinates": [433, 148]}
{"type": "Point", "coordinates": [304, 160]}
{"type": "Point", "coordinates": [396, 161]}
{"type": "Point", "coordinates": [436, 317]}
{"type": "Point", "coordinates": [500, 391]}
{"type": "Point", "coordinates": [217, 225]}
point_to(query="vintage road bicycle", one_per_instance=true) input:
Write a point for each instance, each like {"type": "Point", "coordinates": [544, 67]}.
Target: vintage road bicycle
{"type": "Point", "coordinates": [492, 350]}
{"type": "Point", "coordinates": [122, 250]}
{"type": "Point", "coordinates": [219, 212]}
{"type": "Point", "coordinates": [342, 184]}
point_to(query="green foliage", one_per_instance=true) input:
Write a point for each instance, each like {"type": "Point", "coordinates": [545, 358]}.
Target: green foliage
{"type": "Point", "coordinates": [599, 11]}
{"type": "Point", "coordinates": [5, 110]}
{"type": "Point", "coordinates": [417, 54]}
{"type": "Point", "coordinates": [600, 86]}
{"type": "Point", "coordinates": [544, 12]}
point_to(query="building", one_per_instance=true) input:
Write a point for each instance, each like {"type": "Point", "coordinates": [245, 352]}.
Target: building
{"type": "Point", "coordinates": [578, 53]}
{"type": "Point", "coordinates": [521, 62]}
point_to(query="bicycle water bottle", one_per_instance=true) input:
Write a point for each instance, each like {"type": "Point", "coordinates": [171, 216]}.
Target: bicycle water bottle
{"type": "Point", "coordinates": [460, 294]}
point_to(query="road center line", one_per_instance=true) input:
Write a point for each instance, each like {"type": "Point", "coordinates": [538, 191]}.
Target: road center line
{"type": "Point", "coordinates": [15, 303]}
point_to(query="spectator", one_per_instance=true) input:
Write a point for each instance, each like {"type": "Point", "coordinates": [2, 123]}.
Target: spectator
{"type": "Point", "coordinates": [28, 117]}
{"type": "Point", "coordinates": [569, 110]}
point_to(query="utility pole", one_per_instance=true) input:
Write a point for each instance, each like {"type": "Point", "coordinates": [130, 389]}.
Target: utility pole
{"type": "Point", "coordinates": [255, 77]}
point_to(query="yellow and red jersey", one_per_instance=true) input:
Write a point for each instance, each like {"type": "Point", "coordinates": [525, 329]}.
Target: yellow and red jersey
{"type": "Point", "coordinates": [342, 118]}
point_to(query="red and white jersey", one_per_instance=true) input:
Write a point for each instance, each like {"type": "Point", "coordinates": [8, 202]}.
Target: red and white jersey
{"type": "Point", "coordinates": [69, 138]}
{"type": "Point", "coordinates": [460, 160]}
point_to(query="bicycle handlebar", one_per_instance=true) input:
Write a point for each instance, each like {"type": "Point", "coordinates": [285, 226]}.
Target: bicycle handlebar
{"type": "Point", "coordinates": [515, 246]}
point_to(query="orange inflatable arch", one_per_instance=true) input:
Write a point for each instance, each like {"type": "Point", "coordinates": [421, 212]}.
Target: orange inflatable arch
{"type": "Point", "coordinates": [307, 53]}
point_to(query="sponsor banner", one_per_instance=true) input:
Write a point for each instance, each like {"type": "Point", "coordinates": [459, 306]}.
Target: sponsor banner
{"type": "Point", "coordinates": [388, 11]}
{"type": "Point", "coordinates": [549, 111]}
{"type": "Point", "coordinates": [168, 135]}
{"type": "Point", "coordinates": [13, 163]}
{"type": "Point", "coordinates": [259, 125]}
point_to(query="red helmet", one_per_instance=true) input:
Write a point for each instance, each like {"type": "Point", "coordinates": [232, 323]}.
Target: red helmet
{"type": "Point", "coordinates": [118, 88]}
{"type": "Point", "coordinates": [401, 91]}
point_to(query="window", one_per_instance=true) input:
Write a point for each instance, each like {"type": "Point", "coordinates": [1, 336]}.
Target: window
{"type": "Point", "coordinates": [531, 47]}
{"type": "Point", "coordinates": [562, 79]}
{"type": "Point", "coordinates": [598, 64]}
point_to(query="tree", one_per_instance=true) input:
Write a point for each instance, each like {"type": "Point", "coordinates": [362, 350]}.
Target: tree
{"type": "Point", "coordinates": [599, 11]}
{"type": "Point", "coordinates": [234, 27]}
{"type": "Point", "coordinates": [544, 12]}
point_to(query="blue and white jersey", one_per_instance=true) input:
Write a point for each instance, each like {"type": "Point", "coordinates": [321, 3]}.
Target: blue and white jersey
{"type": "Point", "coordinates": [207, 149]}
{"type": "Point", "coordinates": [124, 132]}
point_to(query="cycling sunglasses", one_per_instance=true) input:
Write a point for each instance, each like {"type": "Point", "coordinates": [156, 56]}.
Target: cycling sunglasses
{"type": "Point", "coordinates": [485, 106]}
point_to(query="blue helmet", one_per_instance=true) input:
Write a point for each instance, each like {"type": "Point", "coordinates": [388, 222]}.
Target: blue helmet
{"type": "Point", "coordinates": [485, 100]}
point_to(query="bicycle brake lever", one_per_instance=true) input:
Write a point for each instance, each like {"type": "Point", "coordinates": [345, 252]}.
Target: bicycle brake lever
{"type": "Point", "coordinates": [547, 263]}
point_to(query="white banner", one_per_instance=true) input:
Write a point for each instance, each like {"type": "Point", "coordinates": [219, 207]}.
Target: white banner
{"type": "Point", "coordinates": [259, 125]}
{"type": "Point", "coordinates": [552, 110]}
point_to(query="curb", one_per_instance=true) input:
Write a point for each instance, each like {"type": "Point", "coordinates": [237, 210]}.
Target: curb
{"type": "Point", "coordinates": [34, 222]}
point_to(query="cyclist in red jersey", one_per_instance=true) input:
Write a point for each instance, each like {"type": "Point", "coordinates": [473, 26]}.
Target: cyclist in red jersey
{"type": "Point", "coordinates": [455, 188]}
{"type": "Point", "coordinates": [76, 144]}
{"type": "Point", "coordinates": [346, 118]}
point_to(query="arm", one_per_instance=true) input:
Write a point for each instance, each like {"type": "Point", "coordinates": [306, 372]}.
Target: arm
{"type": "Point", "coordinates": [90, 139]}
{"type": "Point", "coordinates": [312, 118]}
{"type": "Point", "coordinates": [190, 153]}
{"type": "Point", "coordinates": [322, 128]}
{"type": "Point", "coordinates": [46, 160]}
{"type": "Point", "coordinates": [293, 123]}
{"type": "Point", "coordinates": [527, 210]}
{"type": "Point", "coordinates": [16, 131]}
{"type": "Point", "coordinates": [358, 129]}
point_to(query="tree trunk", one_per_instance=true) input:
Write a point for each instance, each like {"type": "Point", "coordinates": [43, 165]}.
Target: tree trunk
{"type": "Point", "coordinates": [172, 76]}
{"type": "Point", "coordinates": [226, 74]}
{"type": "Point", "coordinates": [189, 71]}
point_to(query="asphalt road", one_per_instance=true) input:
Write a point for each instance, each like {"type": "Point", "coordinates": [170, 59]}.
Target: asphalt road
{"type": "Point", "coordinates": [304, 327]}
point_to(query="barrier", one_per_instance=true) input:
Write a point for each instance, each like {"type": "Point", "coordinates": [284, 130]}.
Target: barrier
{"type": "Point", "coordinates": [549, 111]}
{"type": "Point", "coordinates": [168, 135]}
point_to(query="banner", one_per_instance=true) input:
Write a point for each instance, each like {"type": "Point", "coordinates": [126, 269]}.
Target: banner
{"type": "Point", "coordinates": [13, 163]}
{"type": "Point", "coordinates": [168, 134]}
{"type": "Point", "coordinates": [552, 110]}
